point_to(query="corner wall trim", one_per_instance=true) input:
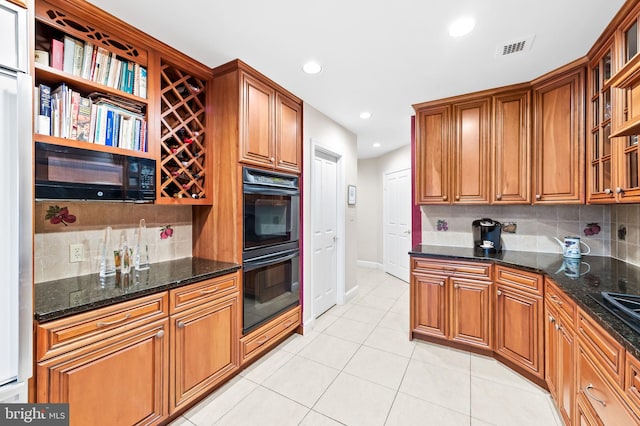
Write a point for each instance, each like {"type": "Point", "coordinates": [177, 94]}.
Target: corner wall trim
{"type": "Point", "coordinates": [370, 265]}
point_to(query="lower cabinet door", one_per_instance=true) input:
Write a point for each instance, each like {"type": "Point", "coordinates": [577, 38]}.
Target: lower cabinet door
{"type": "Point", "coordinates": [584, 414]}
{"type": "Point", "coordinates": [121, 380]}
{"type": "Point", "coordinates": [429, 310]}
{"type": "Point", "coordinates": [519, 329]}
{"type": "Point", "coordinates": [471, 312]}
{"type": "Point", "coordinates": [204, 349]}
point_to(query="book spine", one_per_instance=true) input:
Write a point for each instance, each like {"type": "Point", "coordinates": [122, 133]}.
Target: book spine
{"type": "Point", "coordinates": [84, 119]}
{"type": "Point", "coordinates": [44, 113]}
{"type": "Point", "coordinates": [108, 137]}
{"type": "Point", "coordinates": [78, 57]}
{"type": "Point", "coordinates": [92, 125]}
{"type": "Point", "coordinates": [75, 106]}
{"type": "Point", "coordinates": [57, 54]}
{"type": "Point", "coordinates": [86, 61]}
{"type": "Point", "coordinates": [69, 54]}
{"type": "Point", "coordinates": [143, 82]}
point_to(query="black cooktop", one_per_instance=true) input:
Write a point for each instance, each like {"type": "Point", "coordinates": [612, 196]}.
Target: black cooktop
{"type": "Point", "coordinates": [626, 307]}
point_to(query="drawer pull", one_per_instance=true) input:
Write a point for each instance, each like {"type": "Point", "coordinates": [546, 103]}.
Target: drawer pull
{"type": "Point", "coordinates": [288, 324]}
{"type": "Point", "coordinates": [213, 290]}
{"type": "Point", "coordinates": [441, 283]}
{"type": "Point", "coordinates": [552, 319]}
{"type": "Point", "coordinates": [499, 293]}
{"type": "Point", "coordinates": [456, 286]}
{"type": "Point", "coordinates": [588, 393]}
{"type": "Point", "coordinates": [160, 334]}
{"type": "Point", "coordinates": [104, 324]}
{"type": "Point", "coordinates": [262, 340]}
{"type": "Point", "coordinates": [181, 324]}
{"type": "Point", "coordinates": [556, 300]}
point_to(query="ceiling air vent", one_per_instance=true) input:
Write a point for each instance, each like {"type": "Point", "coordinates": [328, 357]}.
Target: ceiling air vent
{"type": "Point", "coordinates": [516, 46]}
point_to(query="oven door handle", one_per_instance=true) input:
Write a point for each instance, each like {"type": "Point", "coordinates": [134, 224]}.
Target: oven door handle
{"type": "Point", "coordinates": [266, 190]}
{"type": "Point", "coordinates": [272, 260]}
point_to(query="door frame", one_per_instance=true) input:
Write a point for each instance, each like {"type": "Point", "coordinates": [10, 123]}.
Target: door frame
{"type": "Point", "coordinates": [318, 147]}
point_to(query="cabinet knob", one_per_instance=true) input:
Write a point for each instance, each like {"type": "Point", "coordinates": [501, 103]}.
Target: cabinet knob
{"type": "Point", "coordinates": [181, 324]}
{"type": "Point", "coordinates": [499, 293]}
{"type": "Point", "coordinates": [556, 300]}
{"type": "Point", "coordinates": [499, 197]}
{"type": "Point", "coordinates": [608, 191]}
{"type": "Point", "coordinates": [456, 286]}
{"type": "Point", "coordinates": [457, 198]}
{"type": "Point", "coordinates": [538, 197]}
{"type": "Point", "coordinates": [551, 319]}
{"type": "Point", "coordinates": [619, 190]}
{"type": "Point", "coordinates": [444, 198]}
{"type": "Point", "coordinates": [442, 284]}
{"type": "Point", "coordinates": [557, 326]}
{"type": "Point", "coordinates": [272, 159]}
{"type": "Point", "coordinates": [160, 334]}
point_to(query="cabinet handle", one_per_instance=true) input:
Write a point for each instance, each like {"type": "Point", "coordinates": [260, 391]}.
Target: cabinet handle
{"type": "Point", "coordinates": [538, 197]}
{"type": "Point", "coordinates": [444, 198]}
{"type": "Point", "coordinates": [457, 198]}
{"type": "Point", "coordinates": [104, 324]}
{"type": "Point", "coordinates": [262, 340]}
{"type": "Point", "coordinates": [456, 286]}
{"type": "Point", "coordinates": [288, 324]}
{"type": "Point", "coordinates": [499, 197]}
{"type": "Point", "coordinates": [272, 159]}
{"type": "Point", "coordinates": [556, 300]}
{"type": "Point", "coordinates": [557, 327]}
{"type": "Point", "coordinates": [213, 290]}
{"type": "Point", "coordinates": [552, 319]}
{"type": "Point", "coordinates": [619, 190]}
{"type": "Point", "coordinates": [160, 334]}
{"type": "Point", "coordinates": [181, 324]}
{"type": "Point", "coordinates": [442, 284]}
{"type": "Point", "coordinates": [608, 191]}
{"type": "Point", "coordinates": [499, 293]}
{"type": "Point", "coordinates": [586, 392]}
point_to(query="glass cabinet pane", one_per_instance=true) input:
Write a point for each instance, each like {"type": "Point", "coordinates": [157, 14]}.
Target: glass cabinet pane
{"type": "Point", "coordinates": [606, 141]}
{"type": "Point", "coordinates": [632, 140]}
{"type": "Point", "coordinates": [606, 175]}
{"type": "Point", "coordinates": [596, 79]}
{"type": "Point", "coordinates": [595, 112]}
{"type": "Point", "coordinates": [606, 66]}
{"type": "Point", "coordinates": [632, 169]}
{"type": "Point", "coordinates": [596, 144]}
{"type": "Point", "coordinates": [596, 177]}
{"type": "Point", "coordinates": [606, 105]}
{"type": "Point", "coordinates": [631, 41]}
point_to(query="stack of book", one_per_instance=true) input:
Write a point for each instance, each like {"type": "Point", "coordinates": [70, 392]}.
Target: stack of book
{"type": "Point", "coordinates": [98, 118]}
{"type": "Point", "coordinates": [95, 63]}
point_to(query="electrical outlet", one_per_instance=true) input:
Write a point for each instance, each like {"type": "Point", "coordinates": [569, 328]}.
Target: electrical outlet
{"type": "Point", "coordinates": [76, 253]}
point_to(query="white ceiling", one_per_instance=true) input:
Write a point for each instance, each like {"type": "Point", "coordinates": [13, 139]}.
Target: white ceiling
{"type": "Point", "coordinates": [378, 56]}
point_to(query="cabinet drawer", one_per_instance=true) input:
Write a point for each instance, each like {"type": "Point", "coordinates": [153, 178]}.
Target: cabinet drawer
{"type": "Point", "coordinates": [563, 303]}
{"type": "Point", "coordinates": [632, 382]}
{"type": "Point", "coordinates": [515, 278]}
{"type": "Point", "coordinates": [609, 353]}
{"type": "Point", "coordinates": [459, 269]}
{"type": "Point", "coordinates": [601, 393]}
{"type": "Point", "coordinates": [56, 337]}
{"type": "Point", "coordinates": [186, 297]}
{"type": "Point", "coordinates": [271, 332]}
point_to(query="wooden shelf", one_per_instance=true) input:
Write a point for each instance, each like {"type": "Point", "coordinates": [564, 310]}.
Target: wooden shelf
{"type": "Point", "coordinates": [630, 128]}
{"type": "Point", "coordinates": [52, 140]}
{"type": "Point", "coordinates": [54, 77]}
{"type": "Point", "coordinates": [628, 75]}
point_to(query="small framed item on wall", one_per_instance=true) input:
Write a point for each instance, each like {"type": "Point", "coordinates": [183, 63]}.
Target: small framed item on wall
{"type": "Point", "coordinates": [351, 195]}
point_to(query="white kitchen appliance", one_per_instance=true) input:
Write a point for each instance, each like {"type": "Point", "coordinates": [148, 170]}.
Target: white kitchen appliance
{"type": "Point", "coordinates": [16, 193]}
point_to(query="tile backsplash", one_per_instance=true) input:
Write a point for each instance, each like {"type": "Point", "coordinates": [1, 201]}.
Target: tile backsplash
{"type": "Point", "coordinates": [52, 240]}
{"type": "Point", "coordinates": [625, 232]}
{"type": "Point", "coordinates": [535, 226]}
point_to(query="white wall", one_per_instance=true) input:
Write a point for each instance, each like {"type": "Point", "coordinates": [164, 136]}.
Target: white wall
{"type": "Point", "coordinates": [322, 131]}
{"type": "Point", "coordinates": [370, 201]}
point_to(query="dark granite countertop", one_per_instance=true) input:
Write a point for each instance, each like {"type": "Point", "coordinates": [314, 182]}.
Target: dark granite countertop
{"type": "Point", "coordinates": [60, 298]}
{"type": "Point", "coordinates": [597, 273]}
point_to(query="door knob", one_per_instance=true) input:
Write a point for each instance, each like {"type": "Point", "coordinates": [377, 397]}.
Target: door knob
{"type": "Point", "coordinates": [407, 232]}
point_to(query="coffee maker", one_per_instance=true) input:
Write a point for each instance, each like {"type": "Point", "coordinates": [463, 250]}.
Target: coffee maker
{"type": "Point", "coordinates": [486, 235]}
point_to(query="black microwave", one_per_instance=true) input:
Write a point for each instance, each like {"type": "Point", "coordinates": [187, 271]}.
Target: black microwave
{"type": "Point", "coordinates": [68, 173]}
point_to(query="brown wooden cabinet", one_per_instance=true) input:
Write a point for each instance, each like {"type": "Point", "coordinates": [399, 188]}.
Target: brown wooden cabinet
{"type": "Point", "coordinates": [205, 336]}
{"type": "Point", "coordinates": [111, 365]}
{"type": "Point", "coordinates": [519, 330]}
{"type": "Point", "coordinates": [256, 343]}
{"type": "Point", "coordinates": [452, 301]}
{"type": "Point", "coordinates": [511, 147]}
{"type": "Point", "coordinates": [271, 126]}
{"type": "Point", "coordinates": [559, 349]}
{"type": "Point", "coordinates": [432, 155]}
{"type": "Point", "coordinates": [558, 137]}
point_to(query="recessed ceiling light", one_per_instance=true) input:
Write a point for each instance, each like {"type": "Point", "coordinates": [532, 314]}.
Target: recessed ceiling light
{"type": "Point", "coordinates": [365, 115]}
{"type": "Point", "coordinates": [376, 145]}
{"type": "Point", "coordinates": [312, 67]}
{"type": "Point", "coordinates": [461, 26]}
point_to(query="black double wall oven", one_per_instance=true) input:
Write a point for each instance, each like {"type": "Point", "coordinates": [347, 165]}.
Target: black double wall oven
{"type": "Point", "coordinates": [271, 251]}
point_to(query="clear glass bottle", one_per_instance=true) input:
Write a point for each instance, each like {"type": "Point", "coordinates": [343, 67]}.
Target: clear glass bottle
{"type": "Point", "coordinates": [107, 266]}
{"type": "Point", "coordinates": [142, 248]}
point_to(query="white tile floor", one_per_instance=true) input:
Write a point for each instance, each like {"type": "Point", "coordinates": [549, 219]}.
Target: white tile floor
{"type": "Point", "coordinates": [358, 367]}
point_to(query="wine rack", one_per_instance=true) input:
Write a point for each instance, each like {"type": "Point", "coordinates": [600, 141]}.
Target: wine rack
{"type": "Point", "coordinates": [183, 135]}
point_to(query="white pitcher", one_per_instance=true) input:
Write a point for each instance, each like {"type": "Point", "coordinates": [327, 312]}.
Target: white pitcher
{"type": "Point", "coordinates": [571, 247]}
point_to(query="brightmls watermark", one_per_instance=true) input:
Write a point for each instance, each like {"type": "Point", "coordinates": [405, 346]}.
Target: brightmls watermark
{"type": "Point", "coordinates": [34, 414]}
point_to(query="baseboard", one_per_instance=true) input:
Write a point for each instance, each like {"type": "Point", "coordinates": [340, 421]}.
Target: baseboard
{"type": "Point", "coordinates": [349, 295]}
{"type": "Point", "coordinates": [370, 265]}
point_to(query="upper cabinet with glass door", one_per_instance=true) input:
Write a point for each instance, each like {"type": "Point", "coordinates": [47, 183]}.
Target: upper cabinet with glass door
{"type": "Point", "coordinates": [626, 110]}
{"type": "Point", "coordinates": [599, 152]}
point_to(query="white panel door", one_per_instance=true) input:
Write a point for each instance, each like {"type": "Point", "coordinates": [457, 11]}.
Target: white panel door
{"type": "Point", "coordinates": [397, 223]}
{"type": "Point", "coordinates": [324, 212]}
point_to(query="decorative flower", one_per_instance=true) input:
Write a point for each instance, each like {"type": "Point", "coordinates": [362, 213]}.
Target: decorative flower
{"type": "Point", "coordinates": [56, 215]}
{"type": "Point", "coordinates": [166, 232]}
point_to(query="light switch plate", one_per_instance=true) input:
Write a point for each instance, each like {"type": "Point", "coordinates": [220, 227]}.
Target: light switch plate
{"type": "Point", "coordinates": [76, 253]}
